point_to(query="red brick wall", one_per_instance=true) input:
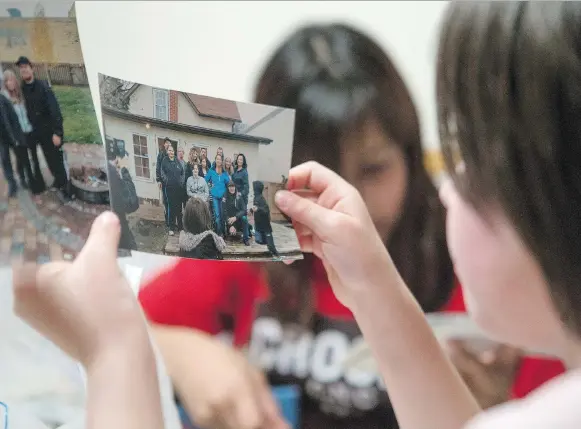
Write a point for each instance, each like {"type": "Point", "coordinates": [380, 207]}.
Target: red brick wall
{"type": "Point", "coordinates": [173, 106]}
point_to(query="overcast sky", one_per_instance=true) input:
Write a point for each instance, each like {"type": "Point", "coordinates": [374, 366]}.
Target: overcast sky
{"type": "Point", "coordinates": [52, 8]}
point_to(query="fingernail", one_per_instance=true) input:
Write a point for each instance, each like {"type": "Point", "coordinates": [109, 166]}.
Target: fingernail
{"type": "Point", "coordinates": [281, 199]}
{"type": "Point", "coordinates": [108, 219]}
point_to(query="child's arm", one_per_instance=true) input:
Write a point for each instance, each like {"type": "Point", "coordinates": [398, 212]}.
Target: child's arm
{"type": "Point", "coordinates": [122, 386]}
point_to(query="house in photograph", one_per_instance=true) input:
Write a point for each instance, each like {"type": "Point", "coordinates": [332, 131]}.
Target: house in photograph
{"type": "Point", "coordinates": [148, 115]}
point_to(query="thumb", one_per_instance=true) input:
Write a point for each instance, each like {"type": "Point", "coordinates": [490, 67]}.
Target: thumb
{"type": "Point", "coordinates": [320, 220]}
{"type": "Point", "coordinates": [103, 242]}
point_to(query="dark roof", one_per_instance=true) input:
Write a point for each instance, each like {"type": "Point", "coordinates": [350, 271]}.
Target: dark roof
{"type": "Point", "coordinates": [208, 132]}
{"type": "Point", "coordinates": [211, 107]}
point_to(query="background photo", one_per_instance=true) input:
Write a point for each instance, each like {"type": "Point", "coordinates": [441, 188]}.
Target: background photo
{"type": "Point", "coordinates": [144, 124]}
{"type": "Point", "coordinates": [44, 212]}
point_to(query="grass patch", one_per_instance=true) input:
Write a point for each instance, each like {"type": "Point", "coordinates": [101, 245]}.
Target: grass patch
{"type": "Point", "coordinates": [80, 120]}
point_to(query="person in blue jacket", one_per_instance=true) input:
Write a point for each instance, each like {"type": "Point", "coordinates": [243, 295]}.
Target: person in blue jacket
{"type": "Point", "coordinates": [218, 179]}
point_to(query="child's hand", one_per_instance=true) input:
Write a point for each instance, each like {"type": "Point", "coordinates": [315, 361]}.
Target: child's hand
{"type": "Point", "coordinates": [86, 307]}
{"type": "Point", "coordinates": [332, 222]}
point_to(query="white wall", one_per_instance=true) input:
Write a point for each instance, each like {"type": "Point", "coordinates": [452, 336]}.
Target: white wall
{"type": "Point", "coordinates": [161, 43]}
{"type": "Point", "coordinates": [275, 158]}
{"type": "Point", "coordinates": [141, 102]}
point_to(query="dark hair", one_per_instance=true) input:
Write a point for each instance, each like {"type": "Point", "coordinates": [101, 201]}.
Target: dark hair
{"type": "Point", "coordinates": [337, 78]}
{"type": "Point", "coordinates": [197, 217]}
{"type": "Point", "coordinates": [244, 164]}
{"type": "Point", "coordinates": [218, 155]}
{"type": "Point", "coordinates": [167, 139]}
{"type": "Point", "coordinates": [509, 98]}
{"type": "Point", "coordinates": [202, 161]}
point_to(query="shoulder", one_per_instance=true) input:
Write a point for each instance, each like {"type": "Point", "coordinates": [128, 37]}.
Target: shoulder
{"type": "Point", "coordinates": [555, 405]}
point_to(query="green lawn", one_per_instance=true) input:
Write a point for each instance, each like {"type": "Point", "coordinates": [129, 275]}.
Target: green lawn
{"type": "Point", "coordinates": [80, 120]}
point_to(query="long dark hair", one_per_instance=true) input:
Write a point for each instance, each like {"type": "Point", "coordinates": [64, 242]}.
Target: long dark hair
{"type": "Point", "coordinates": [197, 217]}
{"type": "Point", "coordinates": [509, 98]}
{"type": "Point", "coordinates": [336, 78]}
{"type": "Point", "coordinates": [244, 164]}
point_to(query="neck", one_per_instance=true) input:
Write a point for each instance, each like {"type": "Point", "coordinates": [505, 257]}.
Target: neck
{"type": "Point", "coordinates": [218, 169]}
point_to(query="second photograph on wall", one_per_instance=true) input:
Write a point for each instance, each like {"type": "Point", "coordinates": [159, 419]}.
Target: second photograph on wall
{"type": "Point", "coordinates": [195, 176]}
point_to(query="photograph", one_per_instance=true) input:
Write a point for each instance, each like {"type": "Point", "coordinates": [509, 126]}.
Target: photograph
{"type": "Point", "coordinates": [51, 151]}
{"type": "Point", "coordinates": [195, 176]}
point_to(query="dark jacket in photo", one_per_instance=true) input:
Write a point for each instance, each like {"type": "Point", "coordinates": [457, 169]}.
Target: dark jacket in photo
{"type": "Point", "coordinates": [43, 108]}
{"type": "Point", "coordinates": [124, 200]}
{"type": "Point", "coordinates": [207, 245]}
{"type": "Point", "coordinates": [11, 134]}
{"type": "Point", "coordinates": [240, 179]}
{"type": "Point", "coordinates": [262, 212]}
{"type": "Point", "coordinates": [233, 206]}
{"type": "Point", "coordinates": [172, 173]}
{"type": "Point", "coordinates": [160, 157]}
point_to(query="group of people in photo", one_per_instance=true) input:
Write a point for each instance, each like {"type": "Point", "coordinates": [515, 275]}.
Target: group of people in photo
{"type": "Point", "coordinates": [207, 201]}
{"type": "Point", "coordinates": [30, 117]}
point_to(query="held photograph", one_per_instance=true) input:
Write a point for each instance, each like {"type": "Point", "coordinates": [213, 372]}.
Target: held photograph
{"type": "Point", "coordinates": [195, 176]}
{"type": "Point", "coordinates": [51, 155]}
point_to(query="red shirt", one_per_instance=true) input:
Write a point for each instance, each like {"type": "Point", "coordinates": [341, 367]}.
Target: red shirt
{"type": "Point", "coordinates": [198, 294]}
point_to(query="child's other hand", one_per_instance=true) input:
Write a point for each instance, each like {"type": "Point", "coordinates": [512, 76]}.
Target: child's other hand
{"type": "Point", "coordinates": [85, 307]}
{"type": "Point", "coordinates": [333, 223]}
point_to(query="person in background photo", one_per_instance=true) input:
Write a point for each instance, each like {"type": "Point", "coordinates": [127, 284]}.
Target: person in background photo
{"type": "Point", "coordinates": [218, 180]}
{"type": "Point", "coordinates": [123, 195]}
{"type": "Point", "coordinates": [240, 178]}
{"type": "Point", "coordinates": [235, 216]}
{"type": "Point", "coordinates": [262, 225]}
{"type": "Point", "coordinates": [204, 167]}
{"type": "Point", "coordinates": [172, 177]}
{"type": "Point", "coordinates": [196, 186]}
{"type": "Point", "coordinates": [11, 137]}
{"type": "Point", "coordinates": [220, 152]}
{"type": "Point", "coordinates": [355, 115]}
{"type": "Point", "coordinates": [46, 118]}
{"type": "Point", "coordinates": [228, 167]}
{"type": "Point", "coordinates": [193, 159]}
{"type": "Point", "coordinates": [204, 155]}
{"type": "Point", "coordinates": [198, 240]}
{"type": "Point", "coordinates": [162, 154]}
{"type": "Point", "coordinates": [184, 164]}
{"type": "Point", "coordinates": [12, 90]}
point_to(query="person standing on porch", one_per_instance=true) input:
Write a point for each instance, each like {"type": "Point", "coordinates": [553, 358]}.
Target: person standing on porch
{"type": "Point", "coordinates": [46, 118]}
{"type": "Point", "coordinates": [160, 157]}
{"type": "Point", "coordinates": [218, 179]}
{"type": "Point", "coordinates": [172, 176]}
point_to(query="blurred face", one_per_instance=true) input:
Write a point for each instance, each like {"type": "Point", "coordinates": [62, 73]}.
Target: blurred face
{"type": "Point", "coordinates": [504, 287]}
{"type": "Point", "coordinates": [220, 151]}
{"type": "Point", "coordinates": [232, 189]}
{"type": "Point", "coordinates": [166, 145]}
{"type": "Point", "coordinates": [218, 161]}
{"type": "Point", "coordinates": [180, 154]}
{"type": "Point", "coordinates": [204, 163]}
{"type": "Point", "coordinates": [26, 72]}
{"type": "Point", "coordinates": [195, 170]}
{"type": "Point", "coordinates": [228, 163]}
{"type": "Point", "coordinates": [170, 152]}
{"type": "Point", "coordinates": [240, 161]}
{"type": "Point", "coordinates": [11, 83]}
{"type": "Point", "coordinates": [204, 153]}
{"type": "Point", "coordinates": [375, 165]}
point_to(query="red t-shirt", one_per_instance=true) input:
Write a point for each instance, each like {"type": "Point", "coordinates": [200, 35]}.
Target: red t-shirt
{"type": "Point", "coordinates": [217, 296]}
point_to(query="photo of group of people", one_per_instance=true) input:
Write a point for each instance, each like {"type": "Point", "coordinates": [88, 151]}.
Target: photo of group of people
{"type": "Point", "coordinates": [50, 143]}
{"type": "Point", "coordinates": [196, 178]}
{"type": "Point", "coordinates": [31, 118]}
